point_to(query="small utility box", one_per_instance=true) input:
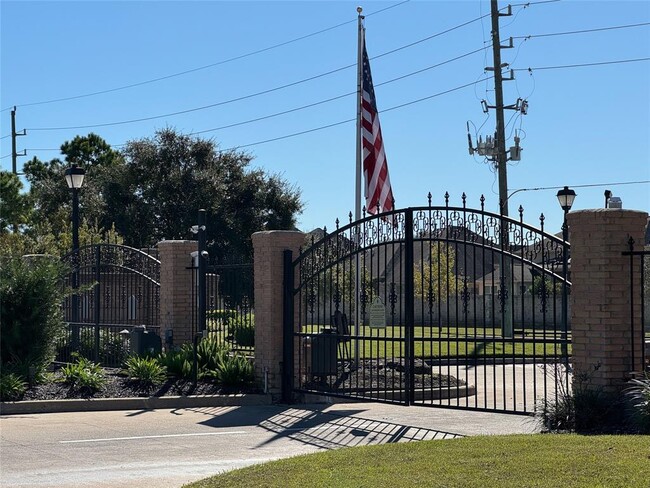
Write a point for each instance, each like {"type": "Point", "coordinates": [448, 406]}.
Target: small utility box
{"type": "Point", "coordinates": [323, 354]}
{"type": "Point", "coordinates": [144, 341]}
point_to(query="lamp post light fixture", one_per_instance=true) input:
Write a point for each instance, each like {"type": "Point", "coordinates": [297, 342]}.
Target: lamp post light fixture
{"type": "Point", "coordinates": [565, 197]}
{"type": "Point", "coordinates": [74, 177]}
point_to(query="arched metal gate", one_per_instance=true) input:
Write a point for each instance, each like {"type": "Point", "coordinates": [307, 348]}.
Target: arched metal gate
{"type": "Point", "coordinates": [117, 288]}
{"type": "Point", "coordinates": [440, 306]}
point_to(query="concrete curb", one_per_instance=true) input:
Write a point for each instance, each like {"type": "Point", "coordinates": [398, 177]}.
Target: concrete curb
{"type": "Point", "coordinates": [144, 403]}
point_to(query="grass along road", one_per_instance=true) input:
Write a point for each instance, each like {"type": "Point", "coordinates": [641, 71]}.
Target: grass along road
{"type": "Point", "coordinates": [482, 462]}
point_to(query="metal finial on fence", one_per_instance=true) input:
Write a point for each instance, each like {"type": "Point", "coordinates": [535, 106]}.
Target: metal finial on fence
{"type": "Point", "coordinates": [350, 216]}
{"type": "Point", "coordinates": [325, 231]}
{"type": "Point", "coordinates": [429, 198]}
{"type": "Point", "coordinates": [521, 213]}
{"type": "Point", "coordinates": [446, 199]}
{"type": "Point", "coordinates": [363, 211]}
{"type": "Point", "coordinates": [337, 223]}
{"type": "Point", "coordinates": [541, 221]}
{"type": "Point", "coordinates": [482, 202]}
{"type": "Point", "coordinates": [630, 242]}
{"type": "Point", "coordinates": [464, 198]}
{"type": "Point", "coordinates": [378, 207]}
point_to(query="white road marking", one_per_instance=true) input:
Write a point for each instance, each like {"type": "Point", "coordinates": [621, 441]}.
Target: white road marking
{"type": "Point", "coordinates": [108, 439]}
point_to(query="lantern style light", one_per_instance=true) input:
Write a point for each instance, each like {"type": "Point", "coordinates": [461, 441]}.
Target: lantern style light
{"type": "Point", "coordinates": [74, 177]}
{"type": "Point", "coordinates": [566, 196]}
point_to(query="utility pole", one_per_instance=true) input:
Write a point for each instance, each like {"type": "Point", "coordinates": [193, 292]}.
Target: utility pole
{"type": "Point", "coordinates": [502, 158]}
{"type": "Point", "coordinates": [494, 150]}
{"type": "Point", "coordinates": [14, 154]}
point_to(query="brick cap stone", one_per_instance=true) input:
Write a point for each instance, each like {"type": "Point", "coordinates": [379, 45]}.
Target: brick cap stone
{"type": "Point", "coordinates": [175, 242]}
{"type": "Point", "coordinates": [606, 212]}
{"type": "Point", "coordinates": [270, 234]}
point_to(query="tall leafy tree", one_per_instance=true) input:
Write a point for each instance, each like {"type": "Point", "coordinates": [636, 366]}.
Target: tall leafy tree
{"type": "Point", "coordinates": [50, 195]}
{"type": "Point", "coordinates": [436, 275]}
{"type": "Point", "coordinates": [169, 177]}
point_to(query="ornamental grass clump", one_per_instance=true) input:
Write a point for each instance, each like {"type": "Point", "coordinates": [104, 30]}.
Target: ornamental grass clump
{"type": "Point", "coordinates": [12, 387]}
{"type": "Point", "coordinates": [83, 375]}
{"type": "Point", "coordinates": [145, 370]}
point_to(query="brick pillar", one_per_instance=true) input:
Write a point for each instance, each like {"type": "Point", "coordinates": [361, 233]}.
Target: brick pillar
{"type": "Point", "coordinates": [269, 278]}
{"type": "Point", "coordinates": [600, 294]}
{"type": "Point", "coordinates": [176, 289]}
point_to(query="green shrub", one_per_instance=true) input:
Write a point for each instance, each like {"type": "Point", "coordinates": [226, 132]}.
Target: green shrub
{"type": "Point", "coordinates": [582, 408]}
{"type": "Point", "coordinates": [244, 335]}
{"type": "Point", "coordinates": [234, 370]}
{"type": "Point", "coordinates": [12, 387]}
{"type": "Point", "coordinates": [83, 375]}
{"type": "Point", "coordinates": [147, 371]}
{"type": "Point", "coordinates": [177, 363]}
{"type": "Point", "coordinates": [210, 352]}
{"type": "Point", "coordinates": [31, 320]}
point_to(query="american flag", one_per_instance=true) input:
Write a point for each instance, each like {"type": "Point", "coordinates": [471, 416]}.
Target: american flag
{"type": "Point", "coordinates": [375, 168]}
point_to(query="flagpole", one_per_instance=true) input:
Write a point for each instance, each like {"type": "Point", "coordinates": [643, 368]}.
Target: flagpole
{"type": "Point", "coordinates": [357, 196]}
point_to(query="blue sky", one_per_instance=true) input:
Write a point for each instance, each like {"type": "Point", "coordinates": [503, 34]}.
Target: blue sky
{"type": "Point", "coordinates": [585, 125]}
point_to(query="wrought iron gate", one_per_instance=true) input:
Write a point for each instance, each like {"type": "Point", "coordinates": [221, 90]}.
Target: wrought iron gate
{"type": "Point", "coordinates": [118, 287]}
{"type": "Point", "coordinates": [440, 306]}
{"type": "Point", "coordinates": [230, 304]}
{"type": "Point", "coordinates": [639, 299]}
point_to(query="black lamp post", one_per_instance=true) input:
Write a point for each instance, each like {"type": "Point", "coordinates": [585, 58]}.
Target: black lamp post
{"type": "Point", "coordinates": [74, 177]}
{"type": "Point", "coordinates": [565, 196]}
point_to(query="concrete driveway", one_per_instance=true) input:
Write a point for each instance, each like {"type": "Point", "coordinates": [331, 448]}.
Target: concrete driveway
{"type": "Point", "coordinates": [166, 448]}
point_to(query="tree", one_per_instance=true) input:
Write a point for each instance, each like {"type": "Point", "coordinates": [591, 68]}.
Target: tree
{"type": "Point", "coordinates": [50, 195]}
{"type": "Point", "coordinates": [14, 205]}
{"type": "Point", "coordinates": [436, 277]}
{"type": "Point", "coordinates": [169, 177]}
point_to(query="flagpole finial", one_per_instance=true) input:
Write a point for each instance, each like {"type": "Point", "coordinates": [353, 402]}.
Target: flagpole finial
{"type": "Point", "coordinates": [359, 10]}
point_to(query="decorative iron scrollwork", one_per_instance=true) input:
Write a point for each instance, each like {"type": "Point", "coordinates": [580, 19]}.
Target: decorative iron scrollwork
{"type": "Point", "coordinates": [392, 298]}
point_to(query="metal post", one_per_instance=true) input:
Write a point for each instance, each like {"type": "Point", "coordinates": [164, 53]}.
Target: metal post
{"type": "Point", "coordinates": [409, 307]}
{"type": "Point", "coordinates": [565, 288]}
{"type": "Point", "coordinates": [288, 326]}
{"type": "Point", "coordinates": [202, 258]}
{"type": "Point", "coordinates": [75, 269]}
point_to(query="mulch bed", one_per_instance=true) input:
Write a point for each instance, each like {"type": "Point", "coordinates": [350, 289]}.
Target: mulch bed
{"type": "Point", "coordinates": [119, 386]}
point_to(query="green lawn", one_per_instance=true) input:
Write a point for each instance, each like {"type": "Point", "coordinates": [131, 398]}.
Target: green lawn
{"type": "Point", "coordinates": [434, 342]}
{"type": "Point", "coordinates": [540, 461]}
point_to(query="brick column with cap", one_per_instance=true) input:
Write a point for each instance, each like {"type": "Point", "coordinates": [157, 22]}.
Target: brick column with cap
{"type": "Point", "coordinates": [600, 295]}
{"type": "Point", "coordinates": [269, 277]}
{"type": "Point", "coordinates": [176, 289]}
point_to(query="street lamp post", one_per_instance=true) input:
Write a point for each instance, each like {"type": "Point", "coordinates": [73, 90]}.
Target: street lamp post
{"type": "Point", "coordinates": [74, 177]}
{"type": "Point", "coordinates": [565, 196]}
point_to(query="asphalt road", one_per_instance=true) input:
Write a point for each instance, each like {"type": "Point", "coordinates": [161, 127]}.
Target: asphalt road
{"type": "Point", "coordinates": [166, 448]}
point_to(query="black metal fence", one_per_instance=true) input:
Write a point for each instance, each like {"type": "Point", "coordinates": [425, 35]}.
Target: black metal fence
{"type": "Point", "coordinates": [230, 305]}
{"type": "Point", "coordinates": [113, 288]}
{"type": "Point", "coordinates": [445, 306]}
{"type": "Point", "coordinates": [639, 301]}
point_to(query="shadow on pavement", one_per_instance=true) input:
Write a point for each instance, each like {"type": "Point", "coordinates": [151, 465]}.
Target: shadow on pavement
{"type": "Point", "coordinates": [311, 425]}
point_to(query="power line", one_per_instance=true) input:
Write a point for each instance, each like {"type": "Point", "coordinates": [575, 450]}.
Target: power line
{"type": "Point", "coordinates": [591, 185]}
{"type": "Point", "coordinates": [4, 137]}
{"type": "Point", "coordinates": [599, 29]}
{"type": "Point", "coordinates": [396, 107]}
{"type": "Point", "coordinates": [294, 134]}
{"type": "Point", "coordinates": [211, 65]}
{"type": "Point", "coordinates": [263, 92]}
{"type": "Point", "coordinates": [338, 97]}
{"type": "Point", "coordinates": [620, 61]}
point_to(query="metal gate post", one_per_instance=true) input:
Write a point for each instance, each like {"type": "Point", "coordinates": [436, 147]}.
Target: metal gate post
{"type": "Point", "coordinates": [409, 307]}
{"type": "Point", "coordinates": [202, 258]}
{"type": "Point", "coordinates": [288, 325]}
{"type": "Point", "coordinates": [98, 262]}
